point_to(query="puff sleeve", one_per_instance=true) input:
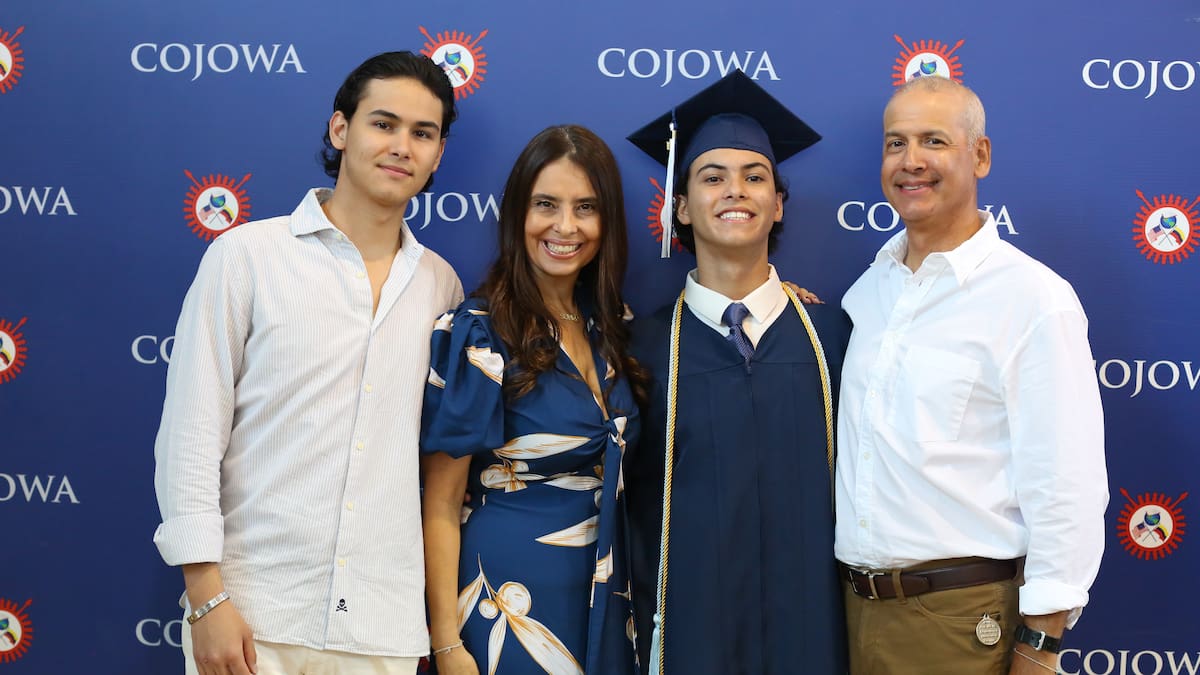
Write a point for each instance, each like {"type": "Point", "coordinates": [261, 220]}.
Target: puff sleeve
{"type": "Point", "coordinates": [463, 410]}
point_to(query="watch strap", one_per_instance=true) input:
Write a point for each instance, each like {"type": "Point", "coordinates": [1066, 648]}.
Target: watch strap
{"type": "Point", "coordinates": [1037, 639]}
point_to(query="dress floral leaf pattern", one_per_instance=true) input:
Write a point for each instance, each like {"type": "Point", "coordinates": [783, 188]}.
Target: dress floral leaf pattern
{"type": "Point", "coordinates": [468, 598]}
{"type": "Point", "coordinates": [543, 523]}
{"type": "Point", "coordinates": [580, 534]}
{"type": "Point", "coordinates": [535, 446]}
{"type": "Point", "coordinates": [496, 645]}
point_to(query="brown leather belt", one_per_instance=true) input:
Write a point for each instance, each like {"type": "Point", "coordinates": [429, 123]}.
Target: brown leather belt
{"type": "Point", "coordinates": [879, 584]}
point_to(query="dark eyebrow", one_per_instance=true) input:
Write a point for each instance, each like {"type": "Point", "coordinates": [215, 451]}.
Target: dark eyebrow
{"type": "Point", "coordinates": [722, 167]}
{"type": "Point", "coordinates": [394, 117]}
{"type": "Point", "coordinates": [541, 195]}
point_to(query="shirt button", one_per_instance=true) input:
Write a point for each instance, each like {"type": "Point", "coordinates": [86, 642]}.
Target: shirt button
{"type": "Point", "coordinates": [866, 455]}
{"type": "Point", "coordinates": [871, 393]}
{"type": "Point", "coordinates": [341, 562]}
{"type": "Point", "coordinates": [367, 388]}
{"type": "Point", "coordinates": [862, 523]}
{"type": "Point", "coordinates": [360, 274]}
{"type": "Point", "coordinates": [359, 445]}
{"type": "Point", "coordinates": [349, 506]}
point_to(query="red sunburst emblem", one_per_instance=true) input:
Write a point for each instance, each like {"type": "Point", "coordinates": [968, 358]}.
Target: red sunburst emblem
{"type": "Point", "coordinates": [12, 349]}
{"type": "Point", "coordinates": [654, 215]}
{"type": "Point", "coordinates": [1163, 228]}
{"type": "Point", "coordinates": [460, 56]}
{"type": "Point", "coordinates": [11, 61]}
{"type": "Point", "coordinates": [215, 205]}
{"type": "Point", "coordinates": [1152, 525]}
{"type": "Point", "coordinates": [926, 58]}
{"type": "Point", "coordinates": [15, 630]}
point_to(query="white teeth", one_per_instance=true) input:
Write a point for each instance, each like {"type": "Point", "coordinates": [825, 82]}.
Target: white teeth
{"type": "Point", "coordinates": [910, 188]}
{"type": "Point", "coordinates": [559, 249]}
{"type": "Point", "coordinates": [735, 215]}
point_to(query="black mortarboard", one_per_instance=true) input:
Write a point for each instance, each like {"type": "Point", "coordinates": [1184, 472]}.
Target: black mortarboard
{"type": "Point", "coordinates": [733, 112]}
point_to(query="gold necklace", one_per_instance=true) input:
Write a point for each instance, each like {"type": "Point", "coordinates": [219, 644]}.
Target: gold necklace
{"type": "Point", "coordinates": [567, 316]}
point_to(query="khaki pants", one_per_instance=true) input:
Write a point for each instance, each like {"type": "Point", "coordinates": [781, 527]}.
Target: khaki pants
{"type": "Point", "coordinates": [933, 633]}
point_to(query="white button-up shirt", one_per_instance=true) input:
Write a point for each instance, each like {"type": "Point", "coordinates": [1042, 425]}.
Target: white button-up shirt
{"type": "Point", "coordinates": [970, 421]}
{"type": "Point", "coordinates": [765, 303]}
{"type": "Point", "coordinates": [288, 445]}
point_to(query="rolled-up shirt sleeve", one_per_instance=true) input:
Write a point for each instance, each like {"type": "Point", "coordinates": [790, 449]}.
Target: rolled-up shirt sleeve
{"type": "Point", "coordinates": [1061, 482]}
{"type": "Point", "coordinates": [198, 410]}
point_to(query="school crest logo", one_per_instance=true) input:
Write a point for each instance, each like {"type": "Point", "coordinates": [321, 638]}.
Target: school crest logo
{"type": "Point", "coordinates": [12, 349]}
{"type": "Point", "coordinates": [926, 58]}
{"type": "Point", "coordinates": [1163, 228]}
{"type": "Point", "coordinates": [1152, 525]}
{"type": "Point", "coordinates": [460, 56]}
{"type": "Point", "coordinates": [654, 213]}
{"type": "Point", "coordinates": [11, 62]}
{"type": "Point", "coordinates": [15, 630]}
{"type": "Point", "coordinates": [215, 204]}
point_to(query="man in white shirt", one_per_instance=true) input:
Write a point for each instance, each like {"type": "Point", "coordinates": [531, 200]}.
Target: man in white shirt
{"type": "Point", "coordinates": [971, 449]}
{"type": "Point", "coordinates": [287, 455]}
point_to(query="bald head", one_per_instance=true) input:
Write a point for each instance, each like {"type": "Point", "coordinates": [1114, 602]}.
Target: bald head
{"type": "Point", "coordinates": [974, 120]}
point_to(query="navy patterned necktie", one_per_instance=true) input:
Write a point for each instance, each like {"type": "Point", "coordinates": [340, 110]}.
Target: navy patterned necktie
{"type": "Point", "coordinates": [734, 314]}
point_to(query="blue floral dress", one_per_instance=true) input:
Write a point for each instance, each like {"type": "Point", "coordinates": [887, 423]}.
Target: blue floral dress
{"type": "Point", "coordinates": [542, 569]}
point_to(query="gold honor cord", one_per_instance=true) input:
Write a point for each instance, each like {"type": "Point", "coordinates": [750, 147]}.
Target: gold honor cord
{"type": "Point", "coordinates": [669, 450]}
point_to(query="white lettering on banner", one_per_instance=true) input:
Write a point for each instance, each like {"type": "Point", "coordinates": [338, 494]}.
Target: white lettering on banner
{"type": "Point", "coordinates": [177, 57]}
{"type": "Point", "coordinates": [36, 486]}
{"type": "Point", "coordinates": [27, 198]}
{"type": "Point", "coordinates": [149, 349]}
{"type": "Point", "coordinates": [1161, 375]}
{"type": "Point", "coordinates": [1130, 75]}
{"type": "Point", "coordinates": [881, 217]}
{"type": "Point", "coordinates": [450, 207]}
{"type": "Point", "coordinates": [692, 64]}
{"type": "Point", "coordinates": [1127, 662]}
{"type": "Point", "coordinates": [155, 633]}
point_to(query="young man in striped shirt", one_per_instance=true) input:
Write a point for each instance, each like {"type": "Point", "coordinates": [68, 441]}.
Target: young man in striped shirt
{"type": "Point", "coordinates": [287, 455]}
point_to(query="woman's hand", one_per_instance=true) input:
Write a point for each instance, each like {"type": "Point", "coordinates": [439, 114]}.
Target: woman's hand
{"type": "Point", "coordinates": [457, 661]}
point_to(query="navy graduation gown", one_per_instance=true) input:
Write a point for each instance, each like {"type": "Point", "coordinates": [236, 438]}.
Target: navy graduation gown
{"type": "Point", "coordinates": [753, 585]}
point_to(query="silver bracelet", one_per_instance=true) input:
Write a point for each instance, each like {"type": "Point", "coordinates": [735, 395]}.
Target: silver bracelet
{"type": "Point", "coordinates": [447, 648]}
{"type": "Point", "coordinates": [1021, 653]}
{"type": "Point", "coordinates": [207, 607]}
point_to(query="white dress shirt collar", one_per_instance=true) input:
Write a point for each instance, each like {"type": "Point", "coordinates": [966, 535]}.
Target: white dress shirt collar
{"type": "Point", "coordinates": [962, 260]}
{"type": "Point", "coordinates": [709, 305]}
{"type": "Point", "coordinates": [310, 218]}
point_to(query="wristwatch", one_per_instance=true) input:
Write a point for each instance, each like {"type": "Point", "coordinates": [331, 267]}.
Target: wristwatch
{"type": "Point", "coordinates": [1037, 639]}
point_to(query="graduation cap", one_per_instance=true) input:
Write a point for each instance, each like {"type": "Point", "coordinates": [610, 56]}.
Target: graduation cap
{"type": "Point", "coordinates": [733, 112]}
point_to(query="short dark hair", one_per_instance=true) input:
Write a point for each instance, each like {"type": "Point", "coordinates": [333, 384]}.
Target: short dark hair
{"type": "Point", "coordinates": [386, 66]}
{"type": "Point", "coordinates": [687, 237]}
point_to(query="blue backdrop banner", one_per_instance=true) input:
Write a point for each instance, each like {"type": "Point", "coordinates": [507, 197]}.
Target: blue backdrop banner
{"type": "Point", "coordinates": [135, 132]}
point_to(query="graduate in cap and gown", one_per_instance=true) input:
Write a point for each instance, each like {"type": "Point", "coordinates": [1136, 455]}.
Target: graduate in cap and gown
{"type": "Point", "coordinates": [729, 492]}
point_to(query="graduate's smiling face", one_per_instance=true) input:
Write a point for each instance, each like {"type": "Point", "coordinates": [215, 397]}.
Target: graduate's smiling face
{"type": "Point", "coordinates": [731, 201]}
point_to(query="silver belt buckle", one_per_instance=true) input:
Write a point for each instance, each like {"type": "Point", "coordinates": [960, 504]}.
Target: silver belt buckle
{"type": "Point", "coordinates": [870, 575]}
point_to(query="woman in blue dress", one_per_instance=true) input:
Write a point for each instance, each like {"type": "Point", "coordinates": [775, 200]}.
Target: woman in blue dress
{"type": "Point", "coordinates": [528, 410]}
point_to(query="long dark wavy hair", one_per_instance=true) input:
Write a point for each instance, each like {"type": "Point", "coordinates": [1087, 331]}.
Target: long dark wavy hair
{"type": "Point", "coordinates": [517, 310]}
